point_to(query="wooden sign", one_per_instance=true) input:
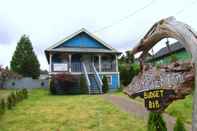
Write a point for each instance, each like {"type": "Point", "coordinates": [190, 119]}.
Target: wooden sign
{"type": "Point", "coordinates": [155, 100]}
{"type": "Point", "coordinates": [161, 86]}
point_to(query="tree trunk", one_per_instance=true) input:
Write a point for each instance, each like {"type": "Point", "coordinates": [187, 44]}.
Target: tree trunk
{"type": "Point", "coordinates": [194, 115]}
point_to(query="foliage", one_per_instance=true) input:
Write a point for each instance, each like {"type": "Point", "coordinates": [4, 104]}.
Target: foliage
{"type": "Point", "coordinates": [25, 93]}
{"type": "Point", "coordinates": [75, 112]}
{"type": "Point", "coordinates": [24, 60]}
{"type": "Point", "coordinates": [6, 74]}
{"type": "Point", "coordinates": [179, 126]}
{"type": "Point", "coordinates": [120, 89]}
{"type": "Point", "coordinates": [15, 97]}
{"type": "Point", "coordinates": [2, 107]}
{"type": "Point", "coordinates": [19, 96]}
{"type": "Point", "coordinates": [83, 85]}
{"type": "Point", "coordinates": [62, 83]}
{"type": "Point", "coordinates": [105, 87]}
{"type": "Point", "coordinates": [52, 87]}
{"type": "Point", "coordinates": [127, 72]}
{"type": "Point", "coordinates": [156, 122]}
{"type": "Point", "coordinates": [173, 58]}
{"type": "Point", "coordinates": [9, 102]}
{"type": "Point", "coordinates": [128, 58]}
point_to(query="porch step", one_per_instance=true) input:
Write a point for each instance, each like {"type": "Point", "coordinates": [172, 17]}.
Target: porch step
{"type": "Point", "coordinates": [94, 88]}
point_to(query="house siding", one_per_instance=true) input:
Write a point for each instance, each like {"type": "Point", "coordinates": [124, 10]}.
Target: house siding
{"type": "Point", "coordinates": [114, 81]}
{"type": "Point", "coordinates": [68, 55]}
{"type": "Point", "coordinates": [82, 41]}
{"type": "Point", "coordinates": [180, 55]}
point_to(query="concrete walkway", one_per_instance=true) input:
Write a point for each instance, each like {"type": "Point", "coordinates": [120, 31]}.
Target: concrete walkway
{"type": "Point", "coordinates": [133, 107]}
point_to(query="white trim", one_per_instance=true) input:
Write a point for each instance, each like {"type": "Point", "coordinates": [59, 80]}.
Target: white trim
{"type": "Point", "coordinates": [99, 63]}
{"type": "Point", "coordinates": [103, 73]}
{"type": "Point", "coordinates": [50, 62]}
{"type": "Point", "coordinates": [116, 63]}
{"type": "Point", "coordinates": [78, 32]}
{"type": "Point", "coordinates": [69, 62]}
{"type": "Point", "coordinates": [118, 81]}
{"type": "Point", "coordinates": [79, 73]}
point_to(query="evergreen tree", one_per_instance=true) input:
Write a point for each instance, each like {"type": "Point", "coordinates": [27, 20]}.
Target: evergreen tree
{"type": "Point", "coordinates": [24, 60]}
{"type": "Point", "coordinates": [105, 84]}
{"type": "Point", "coordinates": [156, 122]}
{"type": "Point", "coordinates": [179, 126]}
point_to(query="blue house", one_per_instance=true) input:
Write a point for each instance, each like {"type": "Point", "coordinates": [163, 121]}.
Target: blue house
{"type": "Point", "coordinates": [82, 53]}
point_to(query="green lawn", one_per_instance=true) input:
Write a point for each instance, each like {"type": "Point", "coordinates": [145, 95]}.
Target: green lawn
{"type": "Point", "coordinates": [43, 112]}
{"type": "Point", "coordinates": [182, 108]}
{"type": "Point", "coordinates": [4, 93]}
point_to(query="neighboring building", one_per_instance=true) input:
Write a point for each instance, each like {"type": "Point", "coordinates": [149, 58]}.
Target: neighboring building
{"type": "Point", "coordinates": [164, 55]}
{"type": "Point", "coordinates": [83, 53]}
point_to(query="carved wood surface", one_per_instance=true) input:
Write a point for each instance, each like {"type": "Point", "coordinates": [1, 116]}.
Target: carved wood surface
{"type": "Point", "coordinates": [178, 76]}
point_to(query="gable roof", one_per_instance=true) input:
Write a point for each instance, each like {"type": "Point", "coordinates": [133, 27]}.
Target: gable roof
{"type": "Point", "coordinates": [164, 51]}
{"type": "Point", "coordinates": [52, 48]}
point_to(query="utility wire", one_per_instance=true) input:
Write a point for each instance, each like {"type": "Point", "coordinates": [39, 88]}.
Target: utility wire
{"type": "Point", "coordinates": [177, 13]}
{"type": "Point", "coordinates": [186, 7]}
{"type": "Point", "coordinates": [126, 17]}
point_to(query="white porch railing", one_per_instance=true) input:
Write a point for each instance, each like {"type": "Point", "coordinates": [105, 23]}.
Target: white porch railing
{"type": "Point", "coordinates": [98, 78]}
{"type": "Point", "coordinates": [86, 76]}
{"type": "Point", "coordinates": [76, 67]}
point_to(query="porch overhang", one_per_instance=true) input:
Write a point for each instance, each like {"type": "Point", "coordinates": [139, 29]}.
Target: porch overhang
{"type": "Point", "coordinates": [81, 50]}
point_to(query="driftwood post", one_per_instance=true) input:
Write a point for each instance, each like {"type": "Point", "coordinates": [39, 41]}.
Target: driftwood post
{"type": "Point", "coordinates": [194, 113]}
{"type": "Point", "coordinates": [171, 28]}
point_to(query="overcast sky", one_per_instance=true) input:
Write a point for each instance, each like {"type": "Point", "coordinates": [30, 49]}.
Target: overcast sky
{"type": "Point", "coordinates": [120, 23]}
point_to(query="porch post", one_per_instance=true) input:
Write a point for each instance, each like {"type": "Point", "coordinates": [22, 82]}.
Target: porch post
{"type": "Point", "coordinates": [69, 62]}
{"type": "Point", "coordinates": [116, 63]}
{"type": "Point", "coordinates": [50, 62]}
{"type": "Point", "coordinates": [99, 63]}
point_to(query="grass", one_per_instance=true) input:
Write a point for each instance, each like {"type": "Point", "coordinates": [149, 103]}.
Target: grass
{"type": "Point", "coordinates": [182, 108]}
{"type": "Point", "coordinates": [4, 93]}
{"type": "Point", "coordinates": [43, 112]}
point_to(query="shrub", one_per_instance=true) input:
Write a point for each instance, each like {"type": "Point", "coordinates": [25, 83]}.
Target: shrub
{"type": "Point", "coordinates": [173, 58]}
{"type": "Point", "coordinates": [83, 86]}
{"type": "Point", "coordinates": [14, 99]}
{"type": "Point", "coordinates": [19, 96]}
{"type": "Point", "coordinates": [2, 107]}
{"type": "Point", "coordinates": [52, 87]}
{"type": "Point", "coordinates": [120, 89]}
{"type": "Point", "coordinates": [179, 126]}
{"type": "Point", "coordinates": [25, 93]}
{"type": "Point", "coordinates": [156, 122]}
{"type": "Point", "coordinates": [127, 72]}
{"type": "Point", "coordinates": [105, 84]}
{"type": "Point", "coordinates": [9, 102]}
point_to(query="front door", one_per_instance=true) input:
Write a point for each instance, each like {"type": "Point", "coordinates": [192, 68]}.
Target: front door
{"type": "Point", "coordinates": [87, 59]}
